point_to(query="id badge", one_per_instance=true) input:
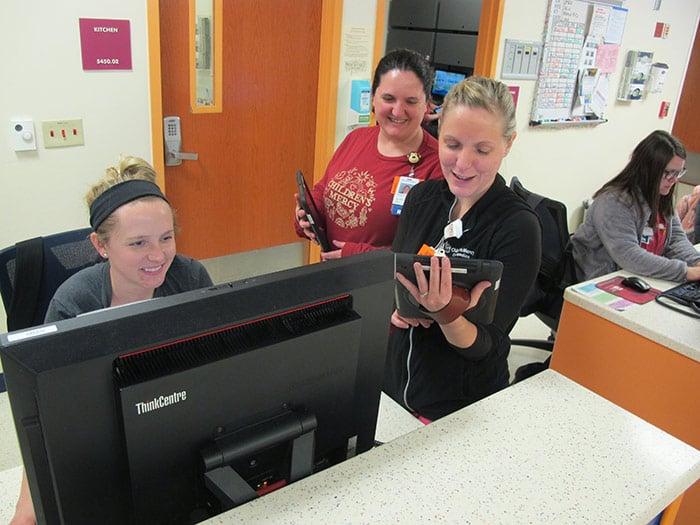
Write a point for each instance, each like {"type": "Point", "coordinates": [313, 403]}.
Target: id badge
{"type": "Point", "coordinates": [400, 188]}
{"type": "Point", "coordinates": [454, 229]}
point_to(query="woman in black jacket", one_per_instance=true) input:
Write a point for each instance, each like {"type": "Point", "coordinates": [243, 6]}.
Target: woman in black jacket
{"type": "Point", "coordinates": [437, 366]}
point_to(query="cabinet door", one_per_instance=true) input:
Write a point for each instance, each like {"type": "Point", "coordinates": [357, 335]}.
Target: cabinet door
{"type": "Point", "coordinates": [459, 15]}
{"type": "Point", "coordinates": [413, 13]}
{"type": "Point", "coordinates": [421, 41]}
{"type": "Point", "coordinates": [455, 49]}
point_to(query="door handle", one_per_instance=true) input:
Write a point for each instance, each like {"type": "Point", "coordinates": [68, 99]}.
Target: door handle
{"type": "Point", "coordinates": [172, 135]}
{"type": "Point", "coordinates": [179, 156]}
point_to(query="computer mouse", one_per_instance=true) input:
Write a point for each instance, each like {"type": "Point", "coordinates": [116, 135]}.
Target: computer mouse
{"type": "Point", "coordinates": [636, 283]}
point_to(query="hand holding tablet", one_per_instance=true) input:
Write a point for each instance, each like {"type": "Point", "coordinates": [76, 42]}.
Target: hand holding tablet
{"type": "Point", "coordinates": [465, 274]}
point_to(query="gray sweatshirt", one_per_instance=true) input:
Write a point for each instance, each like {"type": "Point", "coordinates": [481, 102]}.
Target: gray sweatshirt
{"type": "Point", "coordinates": [610, 237]}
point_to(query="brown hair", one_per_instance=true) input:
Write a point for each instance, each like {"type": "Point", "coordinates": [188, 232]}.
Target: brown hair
{"type": "Point", "coordinates": [641, 177]}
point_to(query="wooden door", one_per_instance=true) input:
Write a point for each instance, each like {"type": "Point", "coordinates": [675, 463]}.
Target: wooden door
{"type": "Point", "coordinates": [238, 195]}
{"type": "Point", "coordinates": [686, 126]}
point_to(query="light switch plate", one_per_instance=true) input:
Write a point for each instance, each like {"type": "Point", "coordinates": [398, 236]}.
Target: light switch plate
{"type": "Point", "coordinates": [62, 133]}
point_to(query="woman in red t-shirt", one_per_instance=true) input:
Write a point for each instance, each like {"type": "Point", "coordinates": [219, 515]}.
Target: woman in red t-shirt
{"type": "Point", "coordinates": [361, 194]}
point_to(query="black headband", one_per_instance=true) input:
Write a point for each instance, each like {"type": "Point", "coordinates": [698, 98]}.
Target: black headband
{"type": "Point", "coordinates": [112, 198]}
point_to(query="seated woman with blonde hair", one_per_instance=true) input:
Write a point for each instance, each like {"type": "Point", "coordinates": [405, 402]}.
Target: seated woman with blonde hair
{"type": "Point", "coordinates": [134, 232]}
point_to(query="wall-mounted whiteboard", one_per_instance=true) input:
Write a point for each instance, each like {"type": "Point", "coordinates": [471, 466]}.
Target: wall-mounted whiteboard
{"type": "Point", "coordinates": [581, 46]}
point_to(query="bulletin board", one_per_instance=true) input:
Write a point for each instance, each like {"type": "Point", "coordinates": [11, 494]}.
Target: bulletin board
{"type": "Point", "coordinates": [581, 46]}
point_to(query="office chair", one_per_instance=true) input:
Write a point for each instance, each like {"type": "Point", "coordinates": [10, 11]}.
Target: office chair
{"type": "Point", "coordinates": [556, 272]}
{"type": "Point", "coordinates": [32, 270]}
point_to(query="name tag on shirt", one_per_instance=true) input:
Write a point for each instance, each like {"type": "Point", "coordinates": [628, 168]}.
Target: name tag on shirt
{"type": "Point", "coordinates": [454, 229]}
{"type": "Point", "coordinates": [400, 188]}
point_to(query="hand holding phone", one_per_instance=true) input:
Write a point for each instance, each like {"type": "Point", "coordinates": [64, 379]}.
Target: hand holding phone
{"type": "Point", "coordinates": [307, 204]}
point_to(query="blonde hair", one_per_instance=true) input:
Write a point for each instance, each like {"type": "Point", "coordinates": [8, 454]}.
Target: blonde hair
{"type": "Point", "coordinates": [128, 168]}
{"type": "Point", "coordinates": [485, 93]}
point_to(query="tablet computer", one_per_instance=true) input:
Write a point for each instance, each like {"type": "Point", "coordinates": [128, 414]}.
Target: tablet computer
{"type": "Point", "coordinates": [465, 273]}
{"type": "Point", "coordinates": [309, 206]}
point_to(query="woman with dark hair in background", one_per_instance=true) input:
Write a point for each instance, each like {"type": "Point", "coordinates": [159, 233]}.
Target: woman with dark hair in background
{"type": "Point", "coordinates": [632, 224]}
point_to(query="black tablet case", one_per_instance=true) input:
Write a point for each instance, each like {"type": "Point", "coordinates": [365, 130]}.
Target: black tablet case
{"type": "Point", "coordinates": [465, 273]}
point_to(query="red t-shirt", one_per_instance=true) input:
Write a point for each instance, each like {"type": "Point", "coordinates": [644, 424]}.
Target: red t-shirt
{"type": "Point", "coordinates": [653, 240]}
{"type": "Point", "coordinates": [355, 194]}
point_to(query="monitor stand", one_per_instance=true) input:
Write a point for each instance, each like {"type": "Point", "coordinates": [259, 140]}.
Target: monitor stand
{"type": "Point", "coordinates": [227, 485]}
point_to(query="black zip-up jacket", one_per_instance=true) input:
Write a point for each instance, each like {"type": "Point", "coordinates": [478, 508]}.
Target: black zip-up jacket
{"type": "Point", "coordinates": [424, 372]}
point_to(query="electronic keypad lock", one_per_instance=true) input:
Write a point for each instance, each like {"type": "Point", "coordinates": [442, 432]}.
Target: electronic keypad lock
{"type": "Point", "coordinates": [172, 135]}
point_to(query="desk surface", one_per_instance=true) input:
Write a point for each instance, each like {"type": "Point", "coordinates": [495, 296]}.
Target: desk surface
{"type": "Point", "coordinates": [651, 320]}
{"type": "Point", "coordinates": [9, 448]}
{"type": "Point", "coordinates": [645, 359]}
{"type": "Point", "coordinates": [545, 450]}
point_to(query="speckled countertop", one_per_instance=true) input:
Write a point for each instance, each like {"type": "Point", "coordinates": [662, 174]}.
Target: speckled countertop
{"type": "Point", "coordinates": [10, 461]}
{"type": "Point", "coordinates": [9, 448]}
{"type": "Point", "coordinates": [543, 451]}
{"type": "Point", "coordinates": [393, 420]}
{"type": "Point", "coordinates": [653, 321]}
{"type": "Point", "coordinates": [10, 480]}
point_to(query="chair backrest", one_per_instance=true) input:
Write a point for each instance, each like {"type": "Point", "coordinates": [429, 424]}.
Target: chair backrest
{"type": "Point", "coordinates": [557, 268]}
{"type": "Point", "coordinates": [32, 270]}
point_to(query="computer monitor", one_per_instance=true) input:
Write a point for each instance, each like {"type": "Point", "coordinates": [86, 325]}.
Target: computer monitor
{"type": "Point", "coordinates": [444, 80]}
{"type": "Point", "coordinates": [175, 409]}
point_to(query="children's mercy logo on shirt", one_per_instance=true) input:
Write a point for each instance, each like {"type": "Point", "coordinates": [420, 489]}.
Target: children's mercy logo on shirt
{"type": "Point", "coordinates": [349, 197]}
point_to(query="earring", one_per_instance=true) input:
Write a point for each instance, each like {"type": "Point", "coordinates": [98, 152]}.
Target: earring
{"type": "Point", "coordinates": [104, 254]}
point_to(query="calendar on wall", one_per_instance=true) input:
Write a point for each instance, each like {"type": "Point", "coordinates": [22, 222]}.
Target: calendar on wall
{"type": "Point", "coordinates": [581, 46]}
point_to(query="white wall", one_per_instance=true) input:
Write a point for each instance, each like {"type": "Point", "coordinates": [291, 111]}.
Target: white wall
{"type": "Point", "coordinates": [358, 16]}
{"type": "Point", "coordinates": [570, 164]}
{"type": "Point", "coordinates": [43, 79]}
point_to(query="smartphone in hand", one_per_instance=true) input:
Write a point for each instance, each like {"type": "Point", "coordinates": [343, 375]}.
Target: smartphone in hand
{"type": "Point", "coordinates": [309, 206]}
